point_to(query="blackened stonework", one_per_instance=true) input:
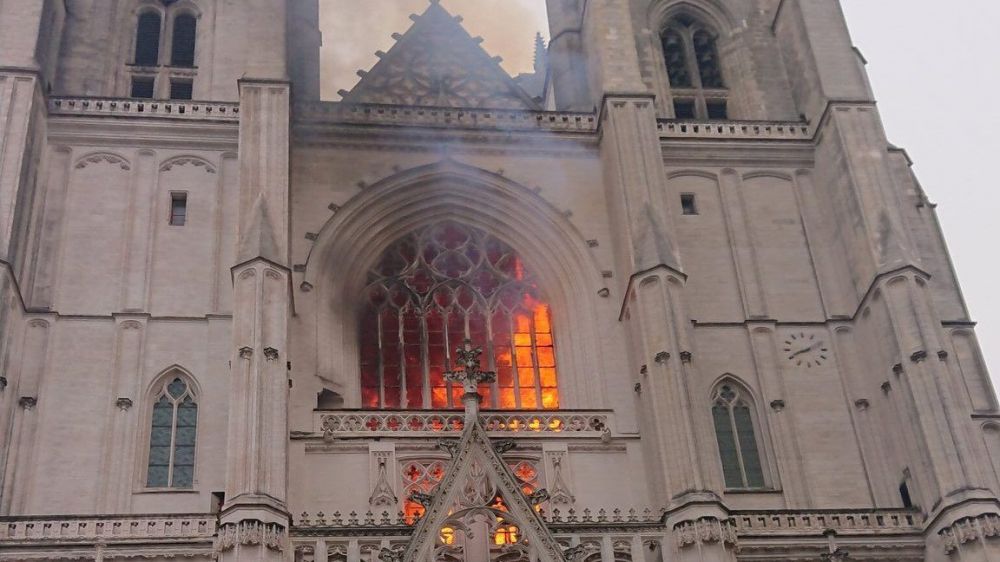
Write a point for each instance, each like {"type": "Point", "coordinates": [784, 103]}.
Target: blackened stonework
{"type": "Point", "coordinates": [242, 323]}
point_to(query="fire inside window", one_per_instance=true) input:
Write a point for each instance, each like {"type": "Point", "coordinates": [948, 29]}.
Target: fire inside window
{"type": "Point", "coordinates": [429, 292]}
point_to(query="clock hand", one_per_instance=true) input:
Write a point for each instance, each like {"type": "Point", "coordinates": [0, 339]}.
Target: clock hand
{"type": "Point", "coordinates": [801, 351]}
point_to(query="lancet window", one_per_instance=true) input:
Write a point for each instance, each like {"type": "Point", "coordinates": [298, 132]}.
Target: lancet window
{"type": "Point", "coordinates": [690, 51]}
{"type": "Point", "coordinates": [182, 45]}
{"type": "Point", "coordinates": [162, 63]}
{"type": "Point", "coordinates": [433, 289]}
{"type": "Point", "coordinates": [172, 435]}
{"type": "Point", "coordinates": [147, 39]}
{"type": "Point", "coordinates": [732, 411]}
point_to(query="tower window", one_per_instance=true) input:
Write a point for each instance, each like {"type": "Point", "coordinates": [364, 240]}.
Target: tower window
{"type": "Point", "coordinates": [185, 31]}
{"type": "Point", "coordinates": [143, 87]}
{"type": "Point", "coordinates": [434, 289]}
{"type": "Point", "coordinates": [694, 70]}
{"type": "Point", "coordinates": [904, 495]}
{"type": "Point", "coordinates": [685, 109]}
{"type": "Point", "coordinates": [181, 89]}
{"type": "Point", "coordinates": [688, 206]}
{"type": "Point", "coordinates": [732, 413]}
{"type": "Point", "coordinates": [172, 436]}
{"type": "Point", "coordinates": [717, 109]}
{"type": "Point", "coordinates": [178, 209]}
{"type": "Point", "coordinates": [147, 39]}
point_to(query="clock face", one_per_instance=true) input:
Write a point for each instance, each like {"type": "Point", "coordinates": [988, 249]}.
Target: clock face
{"type": "Point", "coordinates": [806, 350]}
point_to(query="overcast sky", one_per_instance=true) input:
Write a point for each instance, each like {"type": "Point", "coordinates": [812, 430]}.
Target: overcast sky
{"type": "Point", "coordinates": [936, 75]}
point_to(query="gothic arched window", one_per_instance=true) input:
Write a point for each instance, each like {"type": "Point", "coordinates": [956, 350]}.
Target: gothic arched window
{"type": "Point", "coordinates": [732, 411]}
{"type": "Point", "coordinates": [182, 43]}
{"type": "Point", "coordinates": [691, 54]}
{"type": "Point", "coordinates": [147, 39]}
{"type": "Point", "coordinates": [433, 289]}
{"type": "Point", "coordinates": [172, 435]}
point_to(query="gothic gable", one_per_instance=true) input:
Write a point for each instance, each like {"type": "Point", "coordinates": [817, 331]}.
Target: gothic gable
{"type": "Point", "coordinates": [437, 63]}
{"type": "Point", "coordinates": [478, 496]}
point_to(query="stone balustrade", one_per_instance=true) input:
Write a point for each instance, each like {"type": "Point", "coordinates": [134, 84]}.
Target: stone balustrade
{"type": "Point", "coordinates": [166, 109]}
{"type": "Point", "coordinates": [874, 522]}
{"type": "Point", "coordinates": [496, 119]}
{"type": "Point", "coordinates": [564, 423]}
{"type": "Point", "coordinates": [83, 530]}
{"type": "Point", "coordinates": [615, 535]}
{"type": "Point", "coordinates": [733, 130]}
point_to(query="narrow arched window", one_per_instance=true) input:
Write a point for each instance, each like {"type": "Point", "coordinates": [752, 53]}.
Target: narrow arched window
{"type": "Point", "coordinates": [172, 435]}
{"type": "Point", "coordinates": [694, 69]}
{"type": "Point", "coordinates": [732, 412]}
{"type": "Point", "coordinates": [677, 60]}
{"type": "Point", "coordinates": [147, 39]}
{"type": "Point", "coordinates": [182, 45]}
{"type": "Point", "coordinates": [430, 291]}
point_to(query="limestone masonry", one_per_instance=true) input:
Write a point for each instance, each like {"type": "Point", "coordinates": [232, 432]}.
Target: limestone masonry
{"type": "Point", "coordinates": [672, 297]}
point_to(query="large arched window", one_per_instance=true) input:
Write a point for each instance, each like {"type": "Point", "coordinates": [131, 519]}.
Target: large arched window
{"type": "Point", "coordinates": [183, 41]}
{"type": "Point", "coordinates": [691, 54]}
{"type": "Point", "coordinates": [172, 435]}
{"type": "Point", "coordinates": [436, 287]}
{"type": "Point", "coordinates": [732, 411]}
{"type": "Point", "coordinates": [147, 39]}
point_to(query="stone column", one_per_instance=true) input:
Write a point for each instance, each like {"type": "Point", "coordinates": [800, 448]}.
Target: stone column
{"type": "Point", "coordinates": [254, 521]}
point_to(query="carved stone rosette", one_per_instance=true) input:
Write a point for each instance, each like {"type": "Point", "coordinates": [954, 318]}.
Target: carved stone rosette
{"type": "Point", "coordinates": [251, 533]}
{"type": "Point", "coordinates": [970, 529]}
{"type": "Point", "coordinates": [707, 530]}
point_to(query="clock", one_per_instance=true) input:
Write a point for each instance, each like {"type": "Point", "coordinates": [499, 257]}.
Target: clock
{"type": "Point", "coordinates": [806, 349]}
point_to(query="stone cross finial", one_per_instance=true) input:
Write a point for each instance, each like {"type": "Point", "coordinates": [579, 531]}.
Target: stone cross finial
{"type": "Point", "coordinates": [470, 376]}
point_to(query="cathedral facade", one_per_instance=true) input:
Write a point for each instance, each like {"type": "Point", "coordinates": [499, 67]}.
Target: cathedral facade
{"type": "Point", "coordinates": [672, 297]}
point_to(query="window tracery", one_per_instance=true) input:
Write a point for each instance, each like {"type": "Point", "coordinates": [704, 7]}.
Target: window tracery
{"type": "Point", "coordinates": [429, 292]}
{"type": "Point", "coordinates": [423, 476]}
{"type": "Point", "coordinates": [732, 412]}
{"type": "Point", "coordinates": [694, 69]}
{"type": "Point", "coordinates": [172, 436]}
{"type": "Point", "coordinates": [162, 64]}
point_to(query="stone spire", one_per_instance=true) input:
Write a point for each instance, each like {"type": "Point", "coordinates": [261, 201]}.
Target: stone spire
{"type": "Point", "coordinates": [541, 54]}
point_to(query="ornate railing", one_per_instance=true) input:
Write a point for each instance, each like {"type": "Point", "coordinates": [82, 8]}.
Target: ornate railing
{"type": "Point", "coordinates": [733, 130]}
{"type": "Point", "coordinates": [126, 107]}
{"type": "Point", "coordinates": [86, 529]}
{"type": "Point", "coordinates": [430, 424]}
{"type": "Point", "coordinates": [443, 117]}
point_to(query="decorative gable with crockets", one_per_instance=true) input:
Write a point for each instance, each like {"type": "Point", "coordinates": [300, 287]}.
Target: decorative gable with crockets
{"type": "Point", "coordinates": [438, 64]}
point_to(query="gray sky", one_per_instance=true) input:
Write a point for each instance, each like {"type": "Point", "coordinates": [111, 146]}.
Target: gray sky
{"type": "Point", "coordinates": [936, 76]}
{"type": "Point", "coordinates": [936, 79]}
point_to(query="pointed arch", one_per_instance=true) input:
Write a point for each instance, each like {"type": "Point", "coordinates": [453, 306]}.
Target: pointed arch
{"type": "Point", "coordinates": [738, 434]}
{"type": "Point", "coordinates": [348, 245]}
{"type": "Point", "coordinates": [713, 13]}
{"type": "Point", "coordinates": [170, 422]}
